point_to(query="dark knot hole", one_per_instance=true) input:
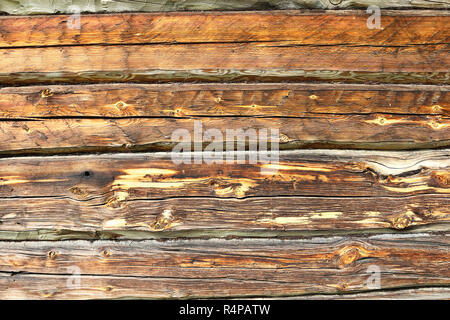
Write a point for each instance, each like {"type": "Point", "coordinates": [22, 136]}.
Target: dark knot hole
{"type": "Point", "coordinates": [87, 173]}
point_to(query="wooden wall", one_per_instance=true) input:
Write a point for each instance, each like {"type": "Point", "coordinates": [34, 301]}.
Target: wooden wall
{"type": "Point", "coordinates": [93, 206]}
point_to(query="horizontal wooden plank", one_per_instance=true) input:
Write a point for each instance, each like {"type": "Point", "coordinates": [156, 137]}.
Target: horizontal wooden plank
{"type": "Point", "coordinates": [246, 56]}
{"type": "Point", "coordinates": [437, 293]}
{"type": "Point", "coordinates": [249, 100]}
{"type": "Point", "coordinates": [218, 217]}
{"type": "Point", "coordinates": [156, 176]}
{"type": "Point", "coordinates": [225, 62]}
{"type": "Point", "coordinates": [307, 115]}
{"type": "Point", "coordinates": [311, 190]}
{"type": "Point", "coordinates": [376, 132]}
{"type": "Point", "coordinates": [21, 7]}
{"type": "Point", "coordinates": [221, 268]}
{"type": "Point", "coordinates": [289, 27]}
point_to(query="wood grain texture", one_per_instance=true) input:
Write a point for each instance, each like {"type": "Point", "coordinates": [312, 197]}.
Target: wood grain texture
{"type": "Point", "coordinates": [399, 28]}
{"type": "Point", "coordinates": [312, 190]}
{"type": "Point", "coordinates": [75, 161]}
{"type": "Point", "coordinates": [126, 117]}
{"type": "Point", "coordinates": [221, 268]}
{"type": "Point", "coordinates": [435, 293]}
{"type": "Point", "coordinates": [23, 7]}
{"type": "Point", "coordinates": [212, 217]}
{"type": "Point", "coordinates": [318, 172]}
{"type": "Point", "coordinates": [251, 56]}
{"type": "Point", "coordinates": [225, 61]}
{"type": "Point", "coordinates": [217, 100]}
{"type": "Point", "coordinates": [376, 132]}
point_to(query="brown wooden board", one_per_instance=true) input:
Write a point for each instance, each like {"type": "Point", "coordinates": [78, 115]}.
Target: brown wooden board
{"type": "Point", "coordinates": [222, 268]}
{"type": "Point", "coordinates": [225, 62]}
{"type": "Point", "coordinates": [310, 190]}
{"type": "Point", "coordinates": [132, 117]}
{"type": "Point", "coordinates": [308, 28]}
{"type": "Point", "coordinates": [180, 100]}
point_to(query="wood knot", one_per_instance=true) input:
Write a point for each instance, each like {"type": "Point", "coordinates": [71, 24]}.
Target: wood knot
{"type": "Point", "coordinates": [436, 109]}
{"type": "Point", "coordinates": [87, 174]}
{"type": "Point", "coordinates": [349, 255]}
{"type": "Point", "coordinates": [79, 192]}
{"type": "Point", "coordinates": [178, 113]}
{"type": "Point", "coordinates": [239, 188]}
{"type": "Point", "coordinates": [163, 221]}
{"type": "Point", "coordinates": [26, 128]}
{"type": "Point", "coordinates": [284, 138]}
{"type": "Point", "coordinates": [113, 202]}
{"type": "Point", "coordinates": [441, 179]}
{"type": "Point", "coordinates": [46, 93]}
{"type": "Point", "coordinates": [51, 255]}
{"type": "Point", "coordinates": [436, 123]}
{"type": "Point", "coordinates": [106, 253]}
{"type": "Point", "coordinates": [117, 200]}
{"type": "Point", "coordinates": [401, 222]}
{"type": "Point", "coordinates": [239, 191]}
{"type": "Point", "coordinates": [213, 183]}
{"type": "Point", "coordinates": [120, 105]}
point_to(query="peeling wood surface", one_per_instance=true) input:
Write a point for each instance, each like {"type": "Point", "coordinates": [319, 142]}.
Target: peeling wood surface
{"type": "Point", "coordinates": [223, 216]}
{"type": "Point", "coordinates": [308, 172]}
{"type": "Point", "coordinates": [405, 28]}
{"type": "Point", "coordinates": [221, 268]}
{"type": "Point", "coordinates": [21, 7]}
{"type": "Point", "coordinates": [320, 190]}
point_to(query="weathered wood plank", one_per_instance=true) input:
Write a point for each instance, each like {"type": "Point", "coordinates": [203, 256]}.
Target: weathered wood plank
{"type": "Point", "coordinates": [22, 7]}
{"type": "Point", "coordinates": [312, 190]}
{"type": "Point", "coordinates": [288, 27]}
{"type": "Point", "coordinates": [302, 173]}
{"type": "Point", "coordinates": [221, 268]}
{"type": "Point", "coordinates": [376, 132]}
{"type": "Point", "coordinates": [225, 62]}
{"type": "Point", "coordinates": [442, 293]}
{"type": "Point", "coordinates": [249, 100]}
{"type": "Point", "coordinates": [225, 216]}
{"type": "Point", "coordinates": [307, 115]}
